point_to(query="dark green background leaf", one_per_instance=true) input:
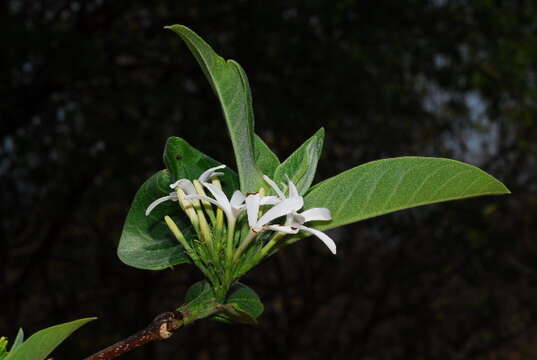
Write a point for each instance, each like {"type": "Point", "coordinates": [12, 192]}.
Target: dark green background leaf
{"type": "Point", "coordinates": [145, 242]}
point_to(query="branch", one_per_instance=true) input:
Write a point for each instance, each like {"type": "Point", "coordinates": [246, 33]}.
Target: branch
{"type": "Point", "coordinates": [162, 327]}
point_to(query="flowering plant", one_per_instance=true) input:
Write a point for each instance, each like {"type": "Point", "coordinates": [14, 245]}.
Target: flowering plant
{"type": "Point", "coordinates": [201, 212]}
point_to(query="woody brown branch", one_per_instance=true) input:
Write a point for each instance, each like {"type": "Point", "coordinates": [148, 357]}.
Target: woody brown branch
{"type": "Point", "coordinates": [162, 327]}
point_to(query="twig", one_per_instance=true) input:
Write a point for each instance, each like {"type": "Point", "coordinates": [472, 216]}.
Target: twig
{"type": "Point", "coordinates": [162, 327]}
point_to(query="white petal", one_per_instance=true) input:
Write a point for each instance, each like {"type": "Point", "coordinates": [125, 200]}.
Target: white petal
{"type": "Point", "coordinates": [252, 209]}
{"type": "Point", "coordinates": [186, 185]}
{"type": "Point", "coordinates": [316, 214]}
{"type": "Point", "coordinates": [283, 229]}
{"type": "Point", "coordinates": [292, 189]}
{"type": "Point", "coordinates": [274, 186]}
{"type": "Point", "coordinates": [237, 203]}
{"type": "Point", "coordinates": [270, 200]}
{"type": "Point", "coordinates": [211, 200]}
{"type": "Point", "coordinates": [237, 199]}
{"type": "Point", "coordinates": [154, 204]}
{"type": "Point", "coordinates": [209, 173]}
{"type": "Point", "coordinates": [285, 207]}
{"type": "Point", "coordinates": [322, 236]}
{"type": "Point", "coordinates": [219, 195]}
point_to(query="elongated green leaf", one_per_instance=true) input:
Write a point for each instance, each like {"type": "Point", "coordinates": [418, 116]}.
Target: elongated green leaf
{"type": "Point", "coordinates": [42, 343]}
{"type": "Point", "coordinates": [301, 165]}
{"type": "Point", "coordinates": [266, 160]}
{"type": "Point", "coordinates": [146, 242]}
{"type": "Point", "coordinates": [230, 84]}
{"type": "Point", "coordinates": [388, 185]}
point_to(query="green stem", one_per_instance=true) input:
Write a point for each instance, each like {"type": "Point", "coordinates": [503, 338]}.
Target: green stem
{"type": "Point", "coordinates": [251, 235]}
{"type": "Point", "coordinates": [265, 250]}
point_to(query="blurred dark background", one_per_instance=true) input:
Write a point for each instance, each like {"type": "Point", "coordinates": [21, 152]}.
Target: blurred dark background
{"type": "Point", "coordinates": [90, 90]}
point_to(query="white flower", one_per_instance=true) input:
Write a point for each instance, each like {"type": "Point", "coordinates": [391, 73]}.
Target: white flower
{"type": "Point", "coordinates": [187, 186]}
{"type": "Point", "coordinates": [315, 214]}
{"type": "Point", "coordinates": [294, 220]}
{"type": "Point", "coordinates": [282, 208]}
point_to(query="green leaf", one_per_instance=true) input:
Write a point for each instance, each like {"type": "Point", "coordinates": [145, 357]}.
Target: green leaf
{"type": "Point", "coordinates": [200, 302]}
{"type": "Point", "coordinates": [246, 303]}
{"type": "Point", "coordinates": [230, 84]}
{"type": "Point", "coordinates": [42, 343]}
{"type": "Point", "coordinates": [18, 340]}
{"type": "Point", "coordinates": [242, 303]}
{"type": "Point", "coordinates": [186, 162]}
{"type": "Point", "coordinates": [383, 186]}
{"type": "Point", "coordinates": [266, 160]}
{"type": "Point", "coordinates": [302, 164]}
{"type": "Point", "coordinates": [146, 242]}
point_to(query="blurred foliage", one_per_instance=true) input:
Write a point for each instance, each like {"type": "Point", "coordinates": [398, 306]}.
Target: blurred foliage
{"type": "Point", "coordinates": [91, 89]}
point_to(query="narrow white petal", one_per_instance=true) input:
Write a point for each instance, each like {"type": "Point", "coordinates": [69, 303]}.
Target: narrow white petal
{"type": "Point", "coordinates": [237, 203]}
{"type": "Point", "coordinates": [220, 196]}
{"type": "Point", "coordinates": [270, 200]}
{"type": "Point", "coordinates": [283, 229]}
{"type": "Point", "coordinates": [285, 207]}
{"type": "Point", "coordinates": [316, 214]}
{"type": "Point", "coordinates": [274, 186]}
{"type": "Point", "coordinates": [211, 200]}
{"type": "Point", "coordinates": [252, 209]}
{"type": "Point", "coordinates": [186, 185]}
{"type": "Point", "coordinates": [209, 173]}
{"type": "Point", "coordinates": [292, 189]}
{"type": "Point", "coordinates": [237, 199]}
{"type": "Point", "coordinates": [154, 204]}
{"type": "Point", "coordinates": [322, 236]}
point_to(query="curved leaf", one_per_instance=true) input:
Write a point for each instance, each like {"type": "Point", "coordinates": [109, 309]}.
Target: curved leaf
{"type": "Point", "coordinates": [146, 242]}
{"type": "Point", "coordinates": [42, 343]}
{"type": "Point", "coordinates": [301, 165]}
{"type": "Point", "coordinates": [383, 186]}
{"type": "Point", "coordinates": [230, 84]}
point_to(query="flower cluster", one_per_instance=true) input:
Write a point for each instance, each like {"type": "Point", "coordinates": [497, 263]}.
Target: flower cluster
{"type": "Point", "coordinates": [251, 203]}
{"type": "Point", "coordinates": [253, 220]}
